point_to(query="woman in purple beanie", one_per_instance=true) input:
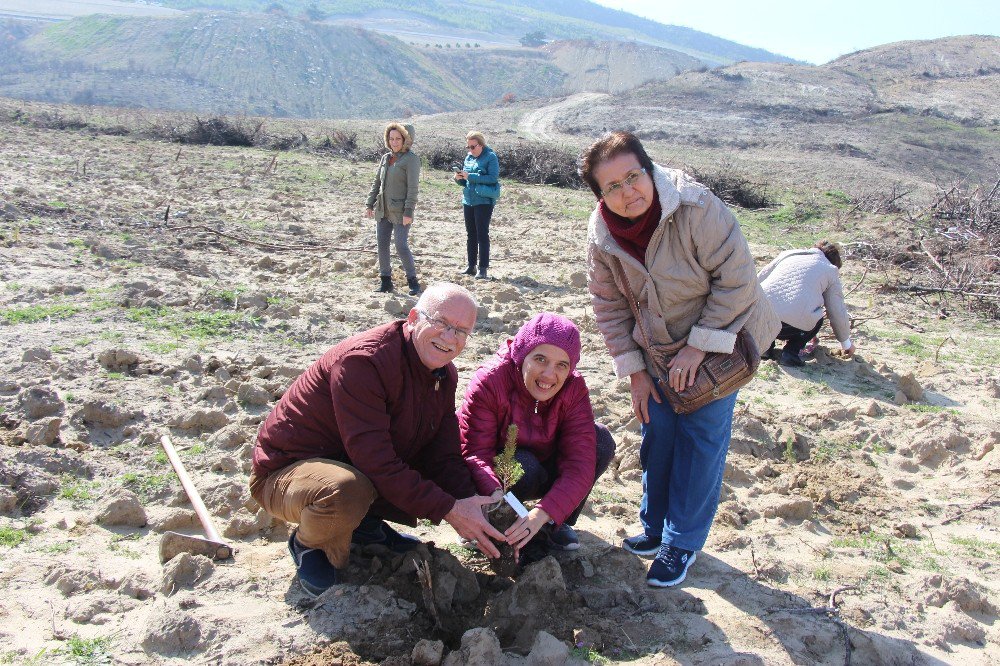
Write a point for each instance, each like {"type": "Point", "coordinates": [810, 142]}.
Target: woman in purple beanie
{"type": "Point", "coordinates": [532, 382]}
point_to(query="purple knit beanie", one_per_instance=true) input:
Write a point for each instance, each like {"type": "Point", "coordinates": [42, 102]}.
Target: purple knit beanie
{"type": "Point", "coordinates": [547, 329]}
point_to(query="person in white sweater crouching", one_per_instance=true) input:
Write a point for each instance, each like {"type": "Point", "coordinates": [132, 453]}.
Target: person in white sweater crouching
{"type": "Point", "coordinates": [800, 285]}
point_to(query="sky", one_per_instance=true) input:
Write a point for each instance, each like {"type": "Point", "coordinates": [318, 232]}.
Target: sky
{"type": "Point", "coordinates": [818, 31]}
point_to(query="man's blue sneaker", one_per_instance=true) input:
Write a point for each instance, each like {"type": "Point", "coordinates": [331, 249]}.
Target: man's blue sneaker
{"type": "Point", "coordinates": [376, 532]}
{"type": "Point", "coordinates": [670, 566]}
{"type": "Point", "coordinates": [640, 544]}
{"type": "Point", "coordinates": [316, 574]}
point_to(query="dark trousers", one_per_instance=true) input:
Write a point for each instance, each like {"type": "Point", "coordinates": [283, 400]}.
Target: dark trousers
{"type": "Point", "coordinates": [539, 477]}
{"type": "Point", "coordinates": [477, 229]}
{"type": "Point", "coordinates": [795, 338]}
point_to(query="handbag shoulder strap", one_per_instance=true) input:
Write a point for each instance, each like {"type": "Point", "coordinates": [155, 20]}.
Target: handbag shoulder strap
{"type": "Point", "coordinates": [633, 304]}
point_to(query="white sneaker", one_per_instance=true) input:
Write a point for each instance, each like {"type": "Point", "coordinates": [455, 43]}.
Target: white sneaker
{"type": "Point", "coordinates": [469, 544]}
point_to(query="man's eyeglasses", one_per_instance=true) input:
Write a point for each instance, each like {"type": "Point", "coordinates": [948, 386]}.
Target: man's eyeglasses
{"type": "Point", "coordinates": [617, 186]}
{"type": "Point", "coordinates": [445, 327]}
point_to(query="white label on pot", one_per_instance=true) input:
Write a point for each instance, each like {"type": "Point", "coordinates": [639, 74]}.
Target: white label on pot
{"type": "Point", "coordinates": [516, 505]}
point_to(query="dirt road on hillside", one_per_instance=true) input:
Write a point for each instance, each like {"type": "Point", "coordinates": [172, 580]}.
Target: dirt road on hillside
{"type": "Point", "coordinates": [540, 124]}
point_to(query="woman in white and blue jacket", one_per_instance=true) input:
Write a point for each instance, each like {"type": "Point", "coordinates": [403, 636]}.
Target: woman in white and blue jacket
{"type": "Point", "coordinates": [480, 181]}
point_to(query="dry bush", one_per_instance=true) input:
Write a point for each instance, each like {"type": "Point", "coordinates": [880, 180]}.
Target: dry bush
{"type": "Point", "coordinates": [339, 142]}
{"type": "Point", "coordinates": [536, 163]}
{"type": "Point", "coordinates": [959, 255]}
{"type": "Point", "coordinates": [48, 120]}
{"type": "Point", "coordinates": [223, 131]}
{"type": "Point", "coordinates": [733, 187]}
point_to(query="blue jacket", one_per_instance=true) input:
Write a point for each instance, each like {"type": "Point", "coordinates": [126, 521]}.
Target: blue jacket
{"type": "Point", "coordinates": [484, 169]}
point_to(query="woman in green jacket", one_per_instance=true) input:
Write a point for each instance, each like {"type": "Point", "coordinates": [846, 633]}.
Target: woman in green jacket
{"type": "Point", "coordinates": [391, 202]}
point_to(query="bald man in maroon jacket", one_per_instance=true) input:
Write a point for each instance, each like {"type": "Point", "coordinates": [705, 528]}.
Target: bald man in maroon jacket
{"type": "Point", "coordinates": [369, 433]}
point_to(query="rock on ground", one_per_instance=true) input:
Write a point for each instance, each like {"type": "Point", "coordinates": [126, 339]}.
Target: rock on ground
{"type": "Point", "coordinates": [480, 647]}
{"type": "Point", "coordinates": [184, 571]}
{"type": "Point", "coordinates": [547, 650]}
{"type": "Point", "coordinates": [427, 653]}
{"type": "Point", "coordinates": [121, 508]}
{"type": "Point", "coordinates": [39, 401]}
{"type": "Point", "coordinates": [171, 631]}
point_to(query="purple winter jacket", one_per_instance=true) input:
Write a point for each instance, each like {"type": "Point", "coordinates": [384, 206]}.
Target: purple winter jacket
{"type": "Point", "coordinates": [562, 427]}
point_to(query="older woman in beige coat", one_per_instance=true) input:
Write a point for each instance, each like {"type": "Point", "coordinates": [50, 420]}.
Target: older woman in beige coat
{"type": "Point", "coordinates": [683, 257]}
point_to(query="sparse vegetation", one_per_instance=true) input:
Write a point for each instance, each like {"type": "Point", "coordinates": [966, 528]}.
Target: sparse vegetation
{"type": "Point", "coordinates": [196, 325]}
{"type": "Point", "coordinates": [76, 490]}
{"type": "Point", "coordinates": [36, 313]}
{"type": "Point", "coordinates": [146, 485]}
{"type": "Point", "coordinates": [11, 536]}
{"type": "Point", "coordinates": [86, 650]}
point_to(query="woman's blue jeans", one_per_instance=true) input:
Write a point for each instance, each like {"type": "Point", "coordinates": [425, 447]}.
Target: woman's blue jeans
{"type": "Point", "coordinates": [683, 457]}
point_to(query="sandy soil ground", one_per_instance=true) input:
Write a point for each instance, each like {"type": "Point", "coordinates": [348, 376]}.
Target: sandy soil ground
{"type": "Point", "coordinates": [858, 519]}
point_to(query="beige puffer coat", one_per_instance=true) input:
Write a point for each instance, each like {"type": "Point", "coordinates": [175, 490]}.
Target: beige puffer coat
{"type": "Point", "coordinates": [701, 283]}
{"type": "Point", "coordinates": [393, 195]}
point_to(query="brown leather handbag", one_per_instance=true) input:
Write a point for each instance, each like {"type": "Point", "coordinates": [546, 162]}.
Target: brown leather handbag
{"type": "Point", "coordinates": [718, 375]}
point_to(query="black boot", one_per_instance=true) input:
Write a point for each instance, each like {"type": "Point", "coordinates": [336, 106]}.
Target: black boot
{"type": "Point", "coordinates": [414, 285]}
{"type": "Point", "coordinates": [481, 275]}
{"type": "Point", "coordinates": [790, 359]}
{"type": "Point", "coordinates": [386, 285]}
{"type": "Point", "coordinates": [467, 270]}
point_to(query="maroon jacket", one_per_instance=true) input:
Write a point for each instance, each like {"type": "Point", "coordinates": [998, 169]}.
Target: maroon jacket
{"type": "Point", "coordinates": [562, 427]}
{"type": "Point", "coordinates": [370, 402]}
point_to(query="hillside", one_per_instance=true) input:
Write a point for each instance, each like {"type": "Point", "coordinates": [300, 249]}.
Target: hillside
{"type": "Point", "coordinates": [228, 63]}
{"type": "Point", "coordinates": [957, 78]}
{"type": "Point", "coordinates": [272, 65]}
{"type": "Point", "coordinates": [615, 66]}
{"type": "Point", "coordinates": [868, 115]}
{"type": "Point", "coordinates": [564, 19]}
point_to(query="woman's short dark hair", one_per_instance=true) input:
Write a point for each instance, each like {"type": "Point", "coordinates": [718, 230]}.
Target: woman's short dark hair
{"type": "Point", "coordinates": [831, 251]}
{"type": "Point", "coordinates": [608, 147]}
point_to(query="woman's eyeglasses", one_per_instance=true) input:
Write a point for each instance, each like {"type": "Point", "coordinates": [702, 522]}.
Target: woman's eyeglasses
{"type": "Point", "coordinates": [618, 186]}
{"type": "Point", "coordinates": [444, 326]}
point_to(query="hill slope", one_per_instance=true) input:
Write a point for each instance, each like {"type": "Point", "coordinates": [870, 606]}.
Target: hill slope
{"type": "Point", "coordinates": [272, 65]}
{"type": "Point", "coordinates": [227, 63]}
{"type": "Point", "coordinates": [562, 19]}
{"type": "Point", "coordinates": [615, 66]}
{"type": "Point", "coordinates": [872, 111]}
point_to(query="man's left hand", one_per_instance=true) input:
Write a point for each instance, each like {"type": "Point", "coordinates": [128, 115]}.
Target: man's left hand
{"type": "Point", "coordinates": [468, 519]}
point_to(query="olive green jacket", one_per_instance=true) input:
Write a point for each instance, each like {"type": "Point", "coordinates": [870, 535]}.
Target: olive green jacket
{"type": "Point", "coordinates": [393, 195]}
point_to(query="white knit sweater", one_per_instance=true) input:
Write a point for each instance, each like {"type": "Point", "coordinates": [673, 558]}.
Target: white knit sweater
{"type": "Point", "coordinates": [799, 284]}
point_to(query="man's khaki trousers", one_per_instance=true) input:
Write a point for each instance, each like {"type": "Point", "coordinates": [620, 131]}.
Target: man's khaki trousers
{"type": "Point", "coordinates": [326, 498]}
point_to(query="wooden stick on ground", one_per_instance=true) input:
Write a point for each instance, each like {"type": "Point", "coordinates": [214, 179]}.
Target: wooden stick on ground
{"type": "Point", "coordinates": [975, 506]}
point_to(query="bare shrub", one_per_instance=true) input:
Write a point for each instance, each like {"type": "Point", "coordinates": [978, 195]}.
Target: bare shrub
{"type": "Point", "coordinates": [339, 142]}
{"type": "Point", "coordinates": [537, 163]}
{"type": "Point", "coordinates": [956, 251]}
{"type": "Point", "coordinates": [222, 131]}
{"type": "Point", "coordinates": [289, 142]}
{"type": "Point", "coordinates": [733, 187]}
{"type": "Point", "coordinates": [443, 156]}
{"type": "Point", "coordinates": [525, 162]}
